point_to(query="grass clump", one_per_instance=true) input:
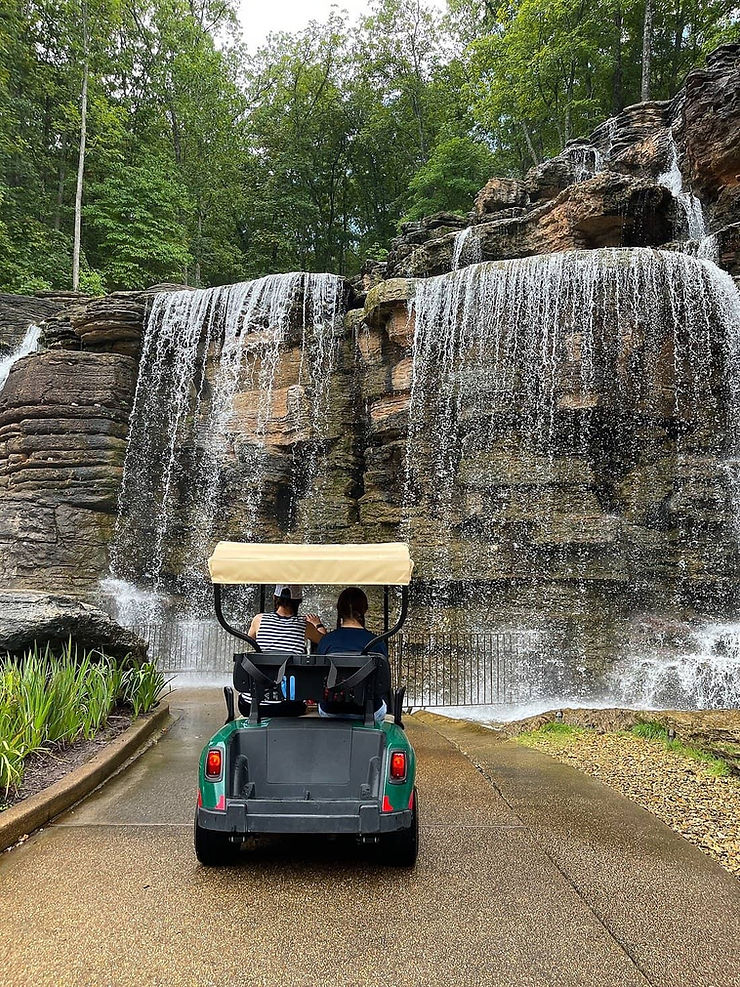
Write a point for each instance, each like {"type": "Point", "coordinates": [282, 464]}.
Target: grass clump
{"type": "Point", "coordinates": [51, 700]}
{"type": "Point", "coordinates": [554, 731]}
{"type": "Point", "coordinates": [657, 732]}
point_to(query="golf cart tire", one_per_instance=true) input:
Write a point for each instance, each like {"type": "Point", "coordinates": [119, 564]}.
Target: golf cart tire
{"type": "Point", "coordinates": [214, 849]}
{"type": "Point", "coordinates": [400, 849]}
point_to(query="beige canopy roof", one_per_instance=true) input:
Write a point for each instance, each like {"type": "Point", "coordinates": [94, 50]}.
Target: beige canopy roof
{"type": "Point", "coordinates": [329, 565]}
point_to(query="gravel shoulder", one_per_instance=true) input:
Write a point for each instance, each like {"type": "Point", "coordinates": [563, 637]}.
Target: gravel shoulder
{"type": "Point", "coordinates": [682, 791]}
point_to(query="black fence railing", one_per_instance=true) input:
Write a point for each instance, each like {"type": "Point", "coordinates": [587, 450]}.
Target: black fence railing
{"type": "Point", "coordinates": [438, 669]}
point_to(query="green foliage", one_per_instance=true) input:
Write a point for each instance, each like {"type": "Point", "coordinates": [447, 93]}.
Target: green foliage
{"type": "Point", "coordinates": [49, 700]}
{"type": "Point", "coordinates": [141, 686]}
{"type": "Point", "coordinates": [448, 181]}
{"type": "Point", "coordinates": [658, 733]}
{"type": "Point", "coordinates": [650, 730]}
{"type": "Point", "coordinates": [206, 164]}
{"type": "Point", "coordinates": [133, 226]}
{"type": "Point", "coordinates": [554, 732]}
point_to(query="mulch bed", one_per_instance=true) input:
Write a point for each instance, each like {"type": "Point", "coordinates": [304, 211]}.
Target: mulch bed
{"type": "Point", "coordinates": [679, 790]}
{"type": "Point", "coordinates": [45, 768]}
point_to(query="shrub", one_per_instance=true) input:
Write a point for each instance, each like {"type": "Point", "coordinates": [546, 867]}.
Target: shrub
{"type": "Point", "coordinates": [52, 700]}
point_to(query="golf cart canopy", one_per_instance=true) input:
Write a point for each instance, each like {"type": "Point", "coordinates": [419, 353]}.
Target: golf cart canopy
{"type": "Point", "coordinates": [386, 564]}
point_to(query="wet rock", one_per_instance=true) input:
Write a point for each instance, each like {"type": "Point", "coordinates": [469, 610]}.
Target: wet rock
{"type": "Point", "coordinates": [608, 210]}
{"type": "Point", "coordinates": [18, 312]}
{"type": "Point", "coordinates": [499, 194]}
{"type": "Point", "coordinates": [28, 618]}
{"type": "Point", "coordinates": [711, 114]}
{"type": "Point", "coordinates": [63, 428]}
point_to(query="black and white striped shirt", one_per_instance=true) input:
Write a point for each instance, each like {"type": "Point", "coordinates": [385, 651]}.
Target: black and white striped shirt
{"type": "Point", "coordinates": [286, 634]}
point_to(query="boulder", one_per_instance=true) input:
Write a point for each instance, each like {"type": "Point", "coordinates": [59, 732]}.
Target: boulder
{"type": "Point", "coordinates": [28, 617]}
{"type": "Point", "coordinates": [500, 193]}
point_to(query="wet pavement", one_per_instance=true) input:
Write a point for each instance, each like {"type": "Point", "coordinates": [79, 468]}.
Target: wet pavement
{"type": "Point", "coordinates": [537, 876]}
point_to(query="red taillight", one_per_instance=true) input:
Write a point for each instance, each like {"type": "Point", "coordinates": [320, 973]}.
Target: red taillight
{"type": "Point", "coordinates": [398, 766]}
{"type": "Point", "coordinates": [213, 764]}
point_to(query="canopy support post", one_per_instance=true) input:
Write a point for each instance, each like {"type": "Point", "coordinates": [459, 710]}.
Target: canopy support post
{"type": "Point", "coordinates": [217, 600]}
{"type": "Point", "coordinates": [397, 626]}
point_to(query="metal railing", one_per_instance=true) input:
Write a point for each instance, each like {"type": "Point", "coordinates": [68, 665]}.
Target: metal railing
{"type": "Point", "coordinates": [438, 669]}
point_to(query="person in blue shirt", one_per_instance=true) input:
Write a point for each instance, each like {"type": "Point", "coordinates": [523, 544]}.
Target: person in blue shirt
{"type": "Point", "coordinates": [350, 637]}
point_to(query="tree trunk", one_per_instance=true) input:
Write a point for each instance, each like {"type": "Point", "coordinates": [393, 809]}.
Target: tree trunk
{"type": "Point", "coordinates": [647, 49]}
{"type": "Point", "coordinates": [199, 246]}
{"type": "Point", "coordinates": [61, 177]}
{"type": "Point", "coordinates": [617, 97]}
{"type": "Point", "coordinates": [81, 159]}
{"type": "Point", "coordinates": [530, 145]}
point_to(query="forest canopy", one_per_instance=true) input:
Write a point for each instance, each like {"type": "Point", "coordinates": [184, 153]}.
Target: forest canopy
{"type": "Point", "coordinates": [205, 164]}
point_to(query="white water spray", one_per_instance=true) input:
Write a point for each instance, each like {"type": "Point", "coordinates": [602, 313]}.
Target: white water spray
{"type": "Point", "coordinates": [28, 345]}
{"type": "Point", "coordinates": [202, 350]}
{"type": "Point", "coordinates": [521, 367]}
{"type": "Point", "coordinates": [672, 179]}
{"type": "Point", "coordinates": [467, 248]}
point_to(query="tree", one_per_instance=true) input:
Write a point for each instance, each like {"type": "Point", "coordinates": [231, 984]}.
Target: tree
{"type": "Point", "coordinates": [647, 49]}
{"type": "Point", "coordinates": [81, 158]}
{"type": "Point", "coordinates": [455, 171]}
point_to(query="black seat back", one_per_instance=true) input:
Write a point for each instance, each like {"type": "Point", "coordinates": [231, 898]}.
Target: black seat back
{"type": "Point", "coordinates": [342, 677]}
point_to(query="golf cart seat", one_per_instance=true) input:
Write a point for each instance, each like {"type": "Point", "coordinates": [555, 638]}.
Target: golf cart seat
{"type": "Point", "coordinates": [292, 680]}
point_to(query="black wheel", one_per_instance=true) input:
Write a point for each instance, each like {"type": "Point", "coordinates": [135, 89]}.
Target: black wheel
{"type": "Point", "coordinates": [214, 849]}
{"type": "Point", "coordinates": [400, 849]}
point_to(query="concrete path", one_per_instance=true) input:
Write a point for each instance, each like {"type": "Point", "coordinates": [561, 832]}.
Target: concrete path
{"type": "Point", "coordinates": [538, 876]}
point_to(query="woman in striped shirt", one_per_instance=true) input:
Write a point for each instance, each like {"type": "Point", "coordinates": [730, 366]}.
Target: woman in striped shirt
{"type": "Point", "coordinates": [286, 630]}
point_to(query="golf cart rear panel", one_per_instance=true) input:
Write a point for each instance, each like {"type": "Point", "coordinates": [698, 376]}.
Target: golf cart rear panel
{"type": "Point", "coordinates": [306, 775]}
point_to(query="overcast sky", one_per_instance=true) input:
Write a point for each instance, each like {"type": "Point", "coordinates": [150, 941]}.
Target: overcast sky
{"type": "Point", "coordinates": [260, 17]}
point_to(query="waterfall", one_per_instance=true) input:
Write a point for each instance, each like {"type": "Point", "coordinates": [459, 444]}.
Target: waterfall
{"type": "Point", "coordinates": [529, 375]}
{"type": "Point", "coordinates": [204, 409]}
{"type": "Point", "coordinates": [704, 673]}
{"type": "Point", "coordinates": [586, 160]}
{"type": "Point", "coordinates": [27, 346]}
{"type": "Point", "coordinates": [672, 179]}
{"type": "Point", "coordinates": [467, 248]}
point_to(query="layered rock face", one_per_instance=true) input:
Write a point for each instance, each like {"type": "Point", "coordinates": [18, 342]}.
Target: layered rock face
{"type": "Point", "coordinates": [63, 428]}
{"type": "Point", "coordinates": [556, 433]}
{"type": "Point", "coordinates": [18, 312]}
{"type": "Point", "coordinates": [615, 188]}
{"type": "Point", "coordinates": [64, 414]}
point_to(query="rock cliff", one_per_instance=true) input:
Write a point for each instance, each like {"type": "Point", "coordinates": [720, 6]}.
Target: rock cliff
{"type": "Point", "coordinates": [639, 515]}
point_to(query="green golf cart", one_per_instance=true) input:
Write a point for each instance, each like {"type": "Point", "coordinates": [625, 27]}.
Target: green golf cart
{"type": "Point", "coordinates": [265, 773]}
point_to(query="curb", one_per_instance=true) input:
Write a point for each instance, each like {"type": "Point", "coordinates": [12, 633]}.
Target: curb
{"type": "Point", "coordinates": [38, 809]}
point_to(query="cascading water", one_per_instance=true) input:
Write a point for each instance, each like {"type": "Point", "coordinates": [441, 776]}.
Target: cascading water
{"type": "Point", "coordinates": [467, 248]}
{"type": "Point", "coordinates": [672, 179]}
{"type": "Point", "coordinates": [203, 352]}
{"type": "Point", "coordinates": [702, 673]}
{"type": "Point", "coordinates": [28, 345]}
{"type": "Point", "coordinates": [586, 159]}
{"type": "Point", "coordinates": [529, 375]}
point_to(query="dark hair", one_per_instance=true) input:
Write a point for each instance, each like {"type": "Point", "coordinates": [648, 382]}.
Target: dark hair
{"type": "Point", "coordinates": [285, 600]}
{"type": "Point", "coordinates": [351, 605]}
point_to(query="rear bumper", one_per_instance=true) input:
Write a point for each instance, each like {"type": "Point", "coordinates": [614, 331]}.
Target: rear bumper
{"type": "Point", "coordinates": [252, 816]}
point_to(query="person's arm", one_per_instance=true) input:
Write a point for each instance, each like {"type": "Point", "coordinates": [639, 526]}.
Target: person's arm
{"type": "Point", "coordinates": [315, 629]}
{"type": "Point", "coordinates": [255, 625]}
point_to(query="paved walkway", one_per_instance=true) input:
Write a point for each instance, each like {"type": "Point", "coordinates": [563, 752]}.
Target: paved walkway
{"type": "Point", "coordinates": [538, 876]}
